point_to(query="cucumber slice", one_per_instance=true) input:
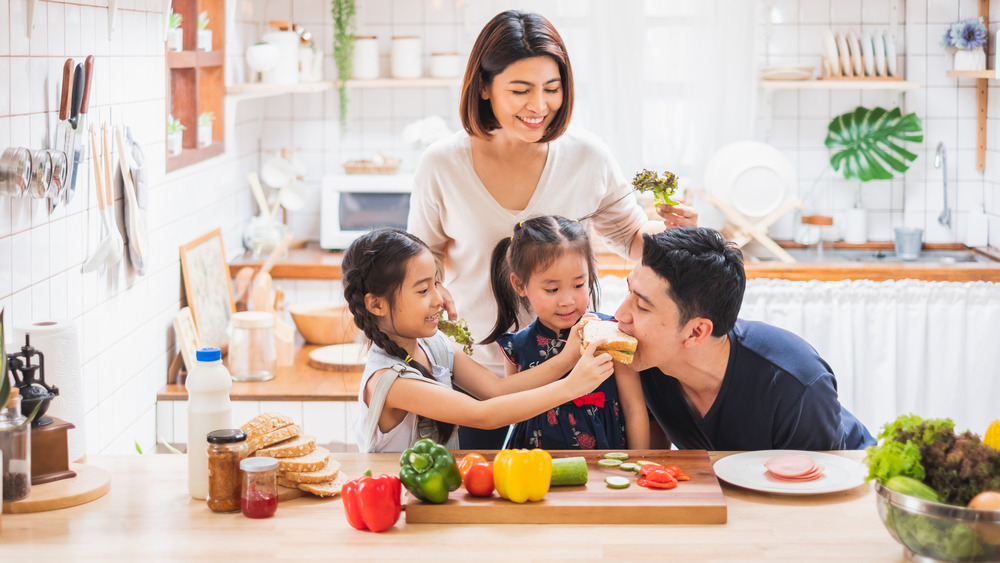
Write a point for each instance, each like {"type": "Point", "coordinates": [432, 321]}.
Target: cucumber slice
{"type": "Point", "coordinates": [629, 467]}
{"type": "Point", "coordinates": [642, 462]}
{"type": "Point", "coordinates": [569, 471]}
{"type": "Point", "coordinates": [615, 482]}
{"type": "Point", "coordinates": [616, 455]}
{"type": "Point", "coordinates": [609, 462]}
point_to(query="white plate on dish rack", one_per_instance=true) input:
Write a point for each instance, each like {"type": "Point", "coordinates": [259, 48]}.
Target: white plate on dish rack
{"type": "Point", "coordinates": [755, 178]}
{"type": "Point", "coordinates": [747, 470]}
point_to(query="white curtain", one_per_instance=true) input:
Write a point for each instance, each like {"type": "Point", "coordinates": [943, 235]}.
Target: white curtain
{"type": "Point", "coordinates": [907, 346]}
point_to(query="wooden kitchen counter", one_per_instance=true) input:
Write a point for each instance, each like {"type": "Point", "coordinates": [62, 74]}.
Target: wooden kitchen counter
{"type": "Point", "coordinates": [298, 382]}
{"type": "Point", "coordinates": [148, 515]}
{"type": "Point", "coordinates": [312, 262]}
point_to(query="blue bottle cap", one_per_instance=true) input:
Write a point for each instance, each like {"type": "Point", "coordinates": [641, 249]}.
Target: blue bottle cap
{"type": "Point", "coordinates": [208, 354]}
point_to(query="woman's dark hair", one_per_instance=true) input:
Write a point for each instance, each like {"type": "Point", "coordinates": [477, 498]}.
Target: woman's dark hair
{"type": "Point", "coordinates": [535, 245]}
{"type": "Point", "coordinates": [510, 37]}
{"type": "Point", "coordinates": [376, 263]}
{"type": "Point", "coordinates": [704, 272]}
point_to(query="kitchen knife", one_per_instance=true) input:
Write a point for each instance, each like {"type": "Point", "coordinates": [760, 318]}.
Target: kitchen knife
{"type": "Point", "coordinates": [61, 140]}
{"type": "Point", "coordinates": [77, 95]}
{"type": "Point", "coordinates": [80, 145]}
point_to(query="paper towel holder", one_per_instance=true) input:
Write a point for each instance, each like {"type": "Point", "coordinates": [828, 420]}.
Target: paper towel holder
{"type": "Point", "coordinates": [34, 392]}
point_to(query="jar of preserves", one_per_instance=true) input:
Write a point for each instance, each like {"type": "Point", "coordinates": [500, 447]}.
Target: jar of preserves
{"type": "Point", "coordinates": [226, 449]}
{"type": "Point", "coordinates": [15, 443]}
{"type": "Point", "coordinates": [259, 495]}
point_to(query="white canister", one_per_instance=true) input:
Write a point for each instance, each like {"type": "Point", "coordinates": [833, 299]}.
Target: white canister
{"type": "Point", "coordinates": [175, 39]}
{"type": "Point", "coordinates": [856, 226]}
{"type": "Point", "coordinates": [406, 57]}
{"type": "Point", "coordinates": [286, 71]}
{"type": "Point", "coordinates": [445, 65]}
{"type": "Point", "coordinates": [365, 57]}
{"type": "Point", "coordinates": [203, 40]}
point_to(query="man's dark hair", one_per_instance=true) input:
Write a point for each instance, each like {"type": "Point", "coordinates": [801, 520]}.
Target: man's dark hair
{"type": "Point", "coordinates": [704, 272]}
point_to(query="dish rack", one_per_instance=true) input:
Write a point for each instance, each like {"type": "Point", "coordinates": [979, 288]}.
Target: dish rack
{"type": "Point", "coordinates": [386, 165]}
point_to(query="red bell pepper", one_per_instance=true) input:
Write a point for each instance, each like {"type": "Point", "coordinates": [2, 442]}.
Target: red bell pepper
{"type": "Point", "coordinates": [372, 503]}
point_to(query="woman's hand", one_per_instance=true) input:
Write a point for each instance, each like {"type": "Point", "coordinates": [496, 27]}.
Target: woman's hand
{"type": "Point", "coordinates": [591, 370]}
{"type": "Point", "coordinates": [449, 303]}
{"type": "Point", "coordinates": [680, 215]}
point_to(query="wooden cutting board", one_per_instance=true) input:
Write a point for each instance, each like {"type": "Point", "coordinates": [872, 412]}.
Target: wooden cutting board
{"type": "Point", "coordinates": [698, 501]}
{"type": "Point", "coordinates": [339, 357]}
{"type": "Point", "coordinates": [90, 483]}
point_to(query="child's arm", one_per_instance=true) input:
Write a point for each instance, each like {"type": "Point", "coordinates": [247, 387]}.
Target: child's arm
{"type": "Point", "coordinates": [447, 405]}
{"type": "Point", "coordinates": [633, 407]}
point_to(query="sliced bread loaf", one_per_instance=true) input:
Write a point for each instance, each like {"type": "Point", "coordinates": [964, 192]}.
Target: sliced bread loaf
{"type": "Point", "coordinates": [266, 422]}
{"type": "Point", "coordinates": [295, 447]}
{"type": "Point", "coordinates": [256, 442]}
{"type": "Point", "coordinates": [312, 461]}
{"type": "Point", "coordinates": [327, 488]}
{"type": "Point", "coordinates": [326, 473]}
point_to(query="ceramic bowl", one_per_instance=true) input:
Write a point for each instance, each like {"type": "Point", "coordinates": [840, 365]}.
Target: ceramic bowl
{"type": "Point", "coordinates": [324, 322]}
{"type": "Point", "coordinates": [262, 57]}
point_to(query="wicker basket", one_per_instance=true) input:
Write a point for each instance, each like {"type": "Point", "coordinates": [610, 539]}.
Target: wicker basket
{"type": "Point", "coordinates": [388, 166]}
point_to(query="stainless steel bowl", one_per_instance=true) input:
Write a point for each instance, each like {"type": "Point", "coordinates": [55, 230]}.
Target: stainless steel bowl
{"type": "Point", "coordinates": [931, 531]}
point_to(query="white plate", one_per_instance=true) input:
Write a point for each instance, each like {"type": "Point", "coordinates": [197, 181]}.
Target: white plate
{"type": "Point", "coordinates": [755, 178]}
{"type": "Point", "coordinates": [845, 55]}
{"type": "Point", "coordinates": [855, 45]}
{"type": "Point", "coordinates": [879, 44]}
{"type": "Point", "coordinates": [830, 52]}
{"type": "Point", "coordinates": [868, 54]}
{"type": "Point", "coordinates": [747, 470]}
{"type": "Point", "coordinates": [786, 73]}
{"type": "Point", "coordinates": [890, 54]}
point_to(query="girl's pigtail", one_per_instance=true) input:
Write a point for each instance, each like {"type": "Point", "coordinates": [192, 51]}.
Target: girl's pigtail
{"type": "Point", "coordinates": [508, 301]}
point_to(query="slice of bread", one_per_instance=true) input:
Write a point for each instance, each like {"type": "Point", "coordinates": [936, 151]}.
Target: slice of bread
{"type": "Point", "coordinates": [295, 447]}
{"type": "Point", "coordinates": [327, 488]}
{"type": "Point", "coordinates": [282, 482]}
{"type": "Point", "coordinates": [312, 461]}
{"type": "Point", "coordinates": [266, 422]}
{"type": "Point", "coordinates": [326, 473]}
{"type": "Point", "coordinates": [620, 345]}
{"type": "Point", "coordinates": [258, 441]}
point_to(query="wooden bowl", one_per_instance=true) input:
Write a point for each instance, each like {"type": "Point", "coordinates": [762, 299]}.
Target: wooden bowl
{"type": "Point", "coordinates": [324, 322]}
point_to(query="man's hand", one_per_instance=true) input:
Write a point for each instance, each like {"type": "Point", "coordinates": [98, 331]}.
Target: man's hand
{"type": "Point", "coordinates": [680, 215]}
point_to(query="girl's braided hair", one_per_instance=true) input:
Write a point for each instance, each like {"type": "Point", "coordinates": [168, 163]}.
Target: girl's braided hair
{"type": "Point", "coordinates": [375, 263]}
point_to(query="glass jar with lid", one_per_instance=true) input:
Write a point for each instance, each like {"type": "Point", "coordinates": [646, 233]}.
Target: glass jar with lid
{"type": "Point", "coordinates": [252, 351]}
{"type": "Point", "coordinates": [259, 494]}
{"type": "Point", "coordinates": [15, 443]}
{"type": "Point", "coordinates": [226, 449]}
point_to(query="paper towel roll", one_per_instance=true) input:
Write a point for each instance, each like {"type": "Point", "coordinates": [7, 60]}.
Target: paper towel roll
{"type": "Point", "coordinates": [59, 343]}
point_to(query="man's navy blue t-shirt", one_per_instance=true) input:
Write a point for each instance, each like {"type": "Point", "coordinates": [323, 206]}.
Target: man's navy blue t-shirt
{"type": "Point", "coordinates": [777, 393]}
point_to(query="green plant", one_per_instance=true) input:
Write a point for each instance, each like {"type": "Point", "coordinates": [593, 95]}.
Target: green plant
{"type": "Point", "coordinates": [174, 125]}
{"type": "Point", "coordinates": [174, 20]}
{"type": "Point", "coordinates": [343, 12]}
{"type": "Point", "coordinates": [203, 21]}
{"type": "Point", "coordinates": [867, 141]}
{"type": "Point", "coordinates": [206, 119]}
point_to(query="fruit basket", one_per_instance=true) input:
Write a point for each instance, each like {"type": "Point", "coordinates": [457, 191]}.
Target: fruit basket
{"type": "Point", "coordinates": [932, 531]}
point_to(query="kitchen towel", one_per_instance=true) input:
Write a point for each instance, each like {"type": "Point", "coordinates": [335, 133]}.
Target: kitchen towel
{"type": "Point", "coordinates": [60, 344]}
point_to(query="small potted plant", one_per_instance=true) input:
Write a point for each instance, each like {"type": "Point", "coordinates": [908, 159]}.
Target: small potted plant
{"type": "Point", "coordinates": [967, 40]}
{"type": "Point", "coordinates": [203, 40]}
{"type": "Point", "coordinates": [175, 136]}
{"type": "Point", "coordinates": [205, 128]}
{"type": "Point", "coordinates": [175, 35]}
{"type": "Point", "coordinates": [343, 12]}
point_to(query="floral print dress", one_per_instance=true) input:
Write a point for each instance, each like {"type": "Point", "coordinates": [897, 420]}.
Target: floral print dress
{"type": "Point", "coordinates": [593, 421]}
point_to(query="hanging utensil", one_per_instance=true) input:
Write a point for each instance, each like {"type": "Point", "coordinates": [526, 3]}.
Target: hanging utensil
{"type": "Point", "coordinates": [99, 256]}
{"type": "Point", "coordinates": [117, 243]}
{"type": "Point", "coordinates": [79, 151]}
{"type": "Point", "coordinates": [62, 139]}
{"type": "Point", "coordinates": [135, 227]}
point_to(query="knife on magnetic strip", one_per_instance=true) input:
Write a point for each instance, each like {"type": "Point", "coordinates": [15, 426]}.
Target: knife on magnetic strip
{"type": "Point", "coordinates": [61, 140]}
{"type": "Point", "coordinates": [79, 126]}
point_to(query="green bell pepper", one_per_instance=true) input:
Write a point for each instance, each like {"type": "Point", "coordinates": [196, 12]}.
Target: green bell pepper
{"type": "Point", "coordinates": [429, 472]}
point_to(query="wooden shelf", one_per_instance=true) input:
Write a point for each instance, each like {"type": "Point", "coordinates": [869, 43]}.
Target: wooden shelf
{"type": "Point", "coordinates": [195, 59]}
{"type": "Point", "coordinates": [982, 94]}
{"type": "Point", "coordinates": [987, 74]}
{"type": "Point", "coordinates": [193, 155]}
{"type": "Point", "coordinates": [845, 84]}
{"type": "Point", "coordinates": [261, 90]}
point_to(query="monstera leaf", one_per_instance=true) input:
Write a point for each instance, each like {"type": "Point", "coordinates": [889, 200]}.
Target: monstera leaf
{"type": "Point", "coordinates": [865, 142]}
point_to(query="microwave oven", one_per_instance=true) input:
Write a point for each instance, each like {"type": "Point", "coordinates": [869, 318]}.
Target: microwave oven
{"type": "Point", "coordinates": [352, 204]}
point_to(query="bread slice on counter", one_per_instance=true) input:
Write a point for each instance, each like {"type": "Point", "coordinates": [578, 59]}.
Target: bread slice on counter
{"type": "Point", "coordinates": [266, 422]}
{"type": "Point", "coordinates": [282, 482]}
{"type": "Point", "coordinates": [327, 473]}
{"type": "Point", "coordinates": [312, 461]}
{"type": "Point", "coordinates": [256, 442]}
{"type": "Point", "coordinates": [294, 447]}
{"type": "Point", "coordinates": [325, 489]}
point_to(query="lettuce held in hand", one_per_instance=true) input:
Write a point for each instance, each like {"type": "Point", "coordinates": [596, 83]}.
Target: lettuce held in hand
{"type": "Point", "coordinates": [662, 188]}
{"type": "Point", "coordinates": [457, 331]}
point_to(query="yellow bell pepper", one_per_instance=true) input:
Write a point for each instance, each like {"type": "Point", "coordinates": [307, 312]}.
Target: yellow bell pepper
{"type": "Point", "coordinates": [992, 437]}
{"type": "Point", "coordinates": [522, 475]}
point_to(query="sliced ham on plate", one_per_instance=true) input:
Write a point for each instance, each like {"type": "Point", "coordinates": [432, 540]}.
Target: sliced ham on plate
{"type": "Point", "coordinates": [797, 467]}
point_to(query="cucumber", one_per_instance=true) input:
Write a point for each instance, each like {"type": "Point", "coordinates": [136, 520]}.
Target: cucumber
{"type": "Point", "coordinates": [616, 482]}
{"type": "Point", "coordinates": [609, 462]}
{"type": "Point", "coordinates": [629, 467]}
{"type": "Point", "coordinates": [569, 471]}
{"type": "Point", "coordinates": [642, 462]}
{"type": "Point", "coordinates": [616, 455]}
{"type": "Point", "coordinates": [912, 487]}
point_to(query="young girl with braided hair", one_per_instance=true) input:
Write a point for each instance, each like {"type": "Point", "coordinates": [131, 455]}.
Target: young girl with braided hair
{"type": "Point", "coordinates": [391, 286]}
{"type": "Point", "coordinates": [547, 267]}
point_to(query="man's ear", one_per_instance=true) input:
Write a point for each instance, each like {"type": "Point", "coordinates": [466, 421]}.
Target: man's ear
{"type": "Point", "coordinates": [377, 306]}
{"type": "Point", "coordinates": [518, 286]}
{"type": "Point", "coordinates": [696, 331]}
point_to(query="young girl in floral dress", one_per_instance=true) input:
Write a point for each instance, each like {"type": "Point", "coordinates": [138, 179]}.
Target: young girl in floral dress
{"type": "Point", "coordinates": [548, 266]}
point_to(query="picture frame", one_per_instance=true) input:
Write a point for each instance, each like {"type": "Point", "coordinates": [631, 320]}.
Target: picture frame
{"type": "Point", "coordinates": [207, 287]}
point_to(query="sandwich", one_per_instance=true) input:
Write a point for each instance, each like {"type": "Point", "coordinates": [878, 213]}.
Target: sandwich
{"type": "Point", "coordinates": [620, 345]}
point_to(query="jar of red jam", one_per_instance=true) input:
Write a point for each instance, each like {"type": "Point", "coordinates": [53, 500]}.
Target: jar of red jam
{"type": "Point", "coordinates": [259, 494]}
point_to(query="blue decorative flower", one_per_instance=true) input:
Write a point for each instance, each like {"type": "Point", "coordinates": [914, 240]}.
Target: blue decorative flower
{"type": "Point", "coordinates": [966, 34]}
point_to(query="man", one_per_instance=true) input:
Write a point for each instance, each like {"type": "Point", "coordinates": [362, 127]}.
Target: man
{"type": "Point", "coordinates": [712, 381]}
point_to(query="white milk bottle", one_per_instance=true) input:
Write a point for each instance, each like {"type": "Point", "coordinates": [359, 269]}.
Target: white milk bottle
{"type": "Point", "coordinates": [209, 408]}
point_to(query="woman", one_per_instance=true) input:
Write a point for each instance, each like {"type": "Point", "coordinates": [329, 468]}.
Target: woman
{"type": "Point", "coordinates": [516, 160]}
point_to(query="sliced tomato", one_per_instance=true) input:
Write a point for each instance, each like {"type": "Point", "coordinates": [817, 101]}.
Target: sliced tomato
{"type": "Point", "coordinates": [650, 484]}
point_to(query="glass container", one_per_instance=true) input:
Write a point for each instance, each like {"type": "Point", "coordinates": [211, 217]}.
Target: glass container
{"type": "Point", "coordinates": [226, 449]}
{"type": "Point", "coordinates": [259, 494]}
{"type": "Point", "coordinates": [252, 351]}
{"type": "Point", "coordinates": [15, 443]}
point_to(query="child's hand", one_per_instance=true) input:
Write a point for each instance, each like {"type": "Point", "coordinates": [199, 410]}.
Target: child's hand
{"type": "Point", "coordinates": [574, 342]}
{"type": "Point", "coordinates": [591, 370]}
